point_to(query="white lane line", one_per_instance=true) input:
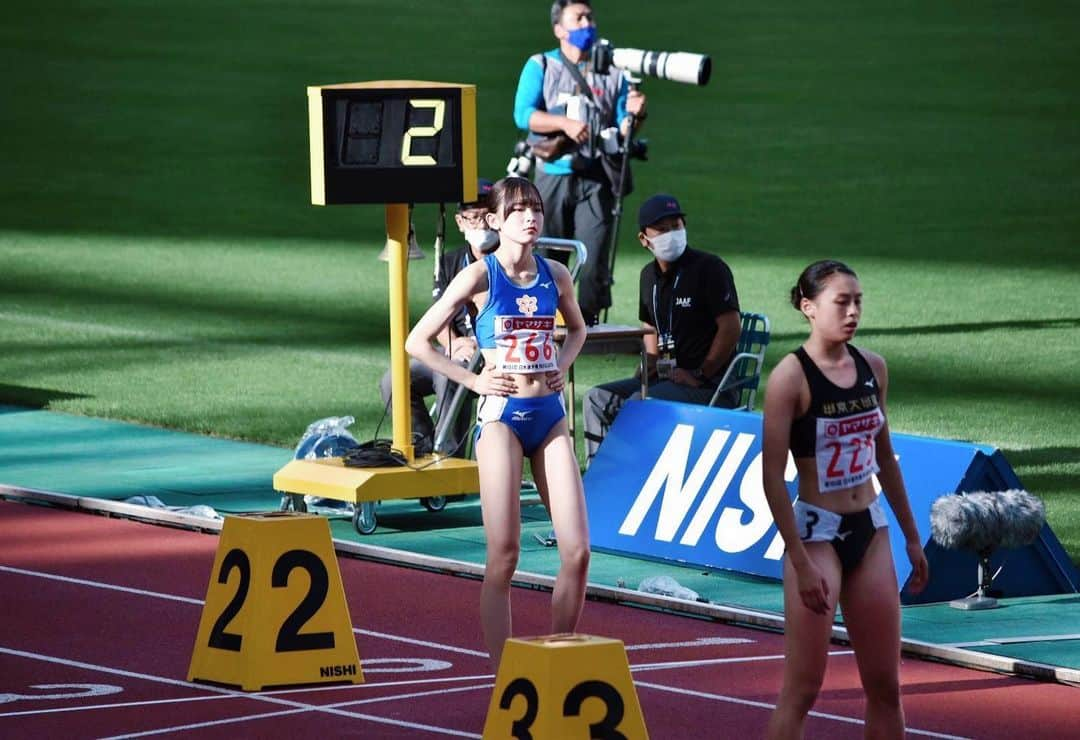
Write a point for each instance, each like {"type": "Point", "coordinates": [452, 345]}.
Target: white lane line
{"type": "Point", "coordinates": [716, 661]}
{"type": "Point", "coordinates": [116, 705]}
{"type": "Point", "coordinates": [274, 692]}
{"type": "Point", "coordinates": [332, 708]}
{"type": "Point", "coordinates": [991, 641]}
{"type": "Point", "coordinates": [422, 643]}
{"type": "Point", "coordinates": [294, 707]}
{"type": "Point", "coordinates": [99, 584]}
{"type": "Point", "coordinates": [766, 705]}
{"type": "Point", "coordinates": [701, 641]}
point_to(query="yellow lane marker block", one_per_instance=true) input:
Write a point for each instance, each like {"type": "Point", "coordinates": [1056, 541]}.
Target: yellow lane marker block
{"type": "Point", "coordinates": [563, 687]}
{"type": "Point", "coordinates": [275, 612]}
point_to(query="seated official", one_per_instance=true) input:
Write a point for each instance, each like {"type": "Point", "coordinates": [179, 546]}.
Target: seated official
{"type": "Point", "coordinates": [458, 339]}
{"type": "Point", "coordinates": [688, 298]}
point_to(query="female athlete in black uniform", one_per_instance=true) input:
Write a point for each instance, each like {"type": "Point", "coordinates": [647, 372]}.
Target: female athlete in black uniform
{"type": "Point", "coordinates": [826, 404]}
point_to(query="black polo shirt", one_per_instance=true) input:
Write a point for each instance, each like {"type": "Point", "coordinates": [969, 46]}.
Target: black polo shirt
{"type": "Point", "coordinates": [696, 289]}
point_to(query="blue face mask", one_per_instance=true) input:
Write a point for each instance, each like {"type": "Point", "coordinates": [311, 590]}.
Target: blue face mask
{"type": "Point", "coordinates": [583, 38]}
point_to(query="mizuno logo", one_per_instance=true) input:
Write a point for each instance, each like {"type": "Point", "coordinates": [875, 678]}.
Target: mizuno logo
{"type": "Point", "coordinates": [843, 535]}
{"type": "Point", "coordinates": [545, 286]}
{"type": "Point", "coordinates": [869, 383]}
{"type": "Point", "coordinates": [521, 415]}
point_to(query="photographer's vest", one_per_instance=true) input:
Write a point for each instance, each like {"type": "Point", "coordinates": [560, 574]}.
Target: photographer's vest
{"type": "Point", "coordinates": [560, 89]}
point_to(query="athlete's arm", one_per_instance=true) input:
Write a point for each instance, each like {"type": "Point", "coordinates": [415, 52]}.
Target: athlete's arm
{"type": "Point", "coordinates": [892, 483]}
{"type": "Point", "coordinates": [468, 282]}
{"type": "Point", "coordinates": [782, 396]}
{"type": "Point", "coordinates": [571, 313]}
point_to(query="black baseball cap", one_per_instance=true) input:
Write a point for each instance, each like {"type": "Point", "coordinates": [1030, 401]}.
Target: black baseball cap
{"type": "Point", "coordinates": [657, 207]}
{"type": "Point", "coordinates": [483, 190]}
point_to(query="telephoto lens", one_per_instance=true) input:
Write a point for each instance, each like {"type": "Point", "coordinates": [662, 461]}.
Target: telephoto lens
{"type": "Point", "coordinates": [677, 66]}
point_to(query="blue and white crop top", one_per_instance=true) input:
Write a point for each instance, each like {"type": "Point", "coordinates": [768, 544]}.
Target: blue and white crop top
{"type": "Point", "coordinates": [519, 322]}
{"type": "Point", "coordinates": [841, 425]}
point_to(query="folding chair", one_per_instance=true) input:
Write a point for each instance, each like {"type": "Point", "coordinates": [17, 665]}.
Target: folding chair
{"type": "Point", "coordinates": [545, 246]}
{"type": "Point", "coordinates": [744, 372]}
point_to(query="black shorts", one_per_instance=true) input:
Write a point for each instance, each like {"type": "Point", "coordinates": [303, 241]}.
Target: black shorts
{"type": "Point", "coordinates": [849, 534]}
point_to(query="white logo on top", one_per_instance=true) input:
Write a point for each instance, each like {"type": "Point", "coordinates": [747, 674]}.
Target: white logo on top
{"type": "Point", "coordinates": [527, 304]}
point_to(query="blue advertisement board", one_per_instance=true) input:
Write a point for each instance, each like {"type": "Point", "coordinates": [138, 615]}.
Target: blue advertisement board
{"type": "Point", "coordinates": [683, 482]}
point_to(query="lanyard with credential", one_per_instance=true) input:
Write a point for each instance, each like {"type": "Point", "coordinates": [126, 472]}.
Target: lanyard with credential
{"type": "Point", "coordinates": [667, 339]}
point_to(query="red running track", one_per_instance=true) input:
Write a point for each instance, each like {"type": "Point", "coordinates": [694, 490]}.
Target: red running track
{"type": "Point", "coordinates": [101, 617]}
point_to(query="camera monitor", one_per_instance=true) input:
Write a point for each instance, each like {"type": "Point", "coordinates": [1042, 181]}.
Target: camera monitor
{"type": "Point", "coordinates": [394, 141]}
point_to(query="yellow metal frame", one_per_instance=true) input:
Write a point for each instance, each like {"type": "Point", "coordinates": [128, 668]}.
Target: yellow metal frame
{"type": "Point", "coordinates": [427, 476]}
{"type": "Point", "coordinates": [329, 478]}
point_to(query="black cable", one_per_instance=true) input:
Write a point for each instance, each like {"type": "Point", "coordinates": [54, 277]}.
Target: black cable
{"type": "Point", "coordinates": [376, 453]}
{"type": "Point", "coordinates": [380, 453]}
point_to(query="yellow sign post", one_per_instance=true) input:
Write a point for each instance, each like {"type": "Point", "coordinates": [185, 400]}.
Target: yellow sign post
{"type": "Point", "coordinates": [562, 687]}
{"type": "Point", "coordinates": [393, 143]}
{"type": "Point", "coordinates": [275, 612]}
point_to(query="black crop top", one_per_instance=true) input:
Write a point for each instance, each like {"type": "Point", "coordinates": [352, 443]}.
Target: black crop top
{"type": "Point", "coordinates": [840, 426]}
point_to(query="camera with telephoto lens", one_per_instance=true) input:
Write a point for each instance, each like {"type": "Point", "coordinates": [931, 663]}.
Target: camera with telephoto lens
{"type": "Point", "coordinates": [521, 163]}
{"type": "Point", "coordinates": [677, 66]}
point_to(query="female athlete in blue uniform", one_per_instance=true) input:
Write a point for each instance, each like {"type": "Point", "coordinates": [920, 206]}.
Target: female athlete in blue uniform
{"type": "Point", "coordinates": [826, 404]}
{"type": "Point", "coordinates": [516, 294]}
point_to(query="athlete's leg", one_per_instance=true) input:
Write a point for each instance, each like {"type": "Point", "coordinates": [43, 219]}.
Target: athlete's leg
{"type": "Point", "coordinates": [555, 470]}
{"type": "Point", "coordinates": [871, 605]}
{"type": "Point", "coordinates": [499, 457]}
{"type": "Point", "coordinates": [806, 645]}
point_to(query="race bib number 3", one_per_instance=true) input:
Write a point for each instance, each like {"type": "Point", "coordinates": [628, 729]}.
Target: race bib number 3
{"type": "Point", "coordinates": [846, 450]}
{"type": "Point", "coordinates": [525, 344]}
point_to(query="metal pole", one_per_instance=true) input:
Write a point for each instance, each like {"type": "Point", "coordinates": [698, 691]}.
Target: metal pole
{"type": "Point", "coordinates": [397, 237]}
{"type": "Point", "coordinates": [616, 211]}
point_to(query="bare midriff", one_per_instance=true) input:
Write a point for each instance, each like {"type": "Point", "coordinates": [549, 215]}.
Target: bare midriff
{"type": "Point", "coordinates": [842, 501]}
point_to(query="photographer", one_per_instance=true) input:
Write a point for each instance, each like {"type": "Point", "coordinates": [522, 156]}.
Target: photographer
{"type": "Point", "coordinates": [574, 114]}
{"type": "Point", "coordinates": [688, 298]}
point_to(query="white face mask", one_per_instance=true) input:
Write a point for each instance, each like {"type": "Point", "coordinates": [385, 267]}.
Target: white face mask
{"type": "Point", "coordinates": [483, 240]}
{"type": "Point", "coordinates": [669, 246]}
